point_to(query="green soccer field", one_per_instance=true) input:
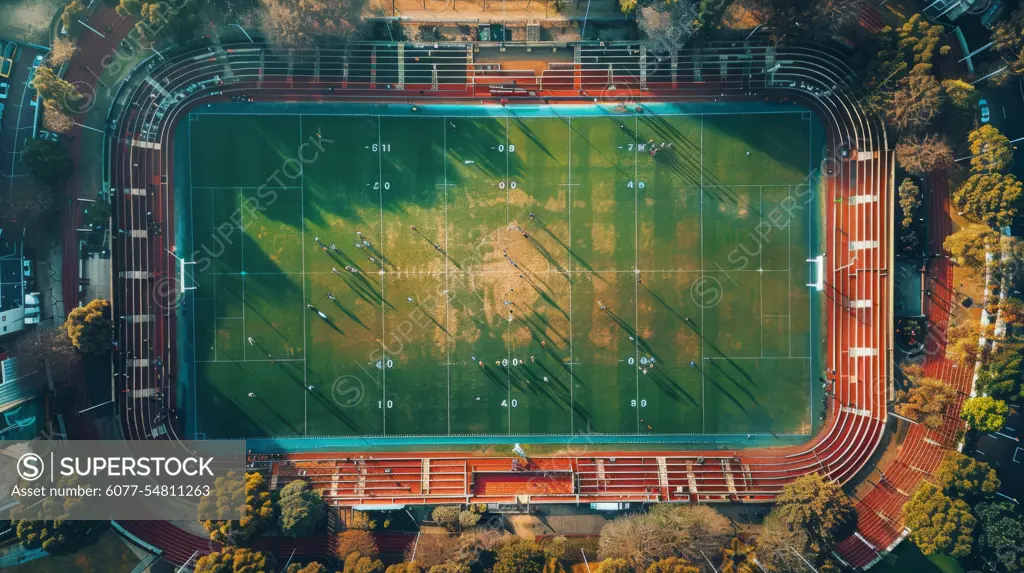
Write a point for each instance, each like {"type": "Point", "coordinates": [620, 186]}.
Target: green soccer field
{"type": "Point", "coordinates": [429, 273]}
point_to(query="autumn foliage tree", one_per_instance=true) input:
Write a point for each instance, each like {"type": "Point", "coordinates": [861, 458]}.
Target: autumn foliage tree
{"type": "Point", "coordinates": [962, 342]}
{"type": "Point", "coordinates": [990, 198]}
{"type": "Point", "coordinates": [991, 150]}
{"type": "Point", "coordinates": [985, 413]}
{"type": "Point", "coordinates": [672, 565]}
{"type": "Point", "coordinates": [1008, 39]}
{"type": "Point", "coordinates": [301, 510]}
{"type": "Point", "coordinates": [235, 560]}
{"type": "Point", "coordinates": [817, 506]}
{"type": "Point", "coordinates": [259, 514]}
{"type": "Point", "coordinates": [961, 94]}
{"type": "Point", "coordinates": [89, 327]}
{"type": "Point", "coordinates": [1002, 374]}
{"type": "Point", "coordinates": [910, 202]}
{"type": "Point", "coordinates": [969, 244]}
{"type": "Point", "coordinates": [356, 541]}
{"type": "Point", "coordinates": [922, 154]}
{"type": "Point", "coordinates": [926, 401]}
{"type": "Point", "coordinates": [291, 22]}
{"type": "Point", "coordinates": [916, 103]}
{"type": "Point", "coordinates": [960, 476]}
{"type": "Point", "coordinates": [939, 524]}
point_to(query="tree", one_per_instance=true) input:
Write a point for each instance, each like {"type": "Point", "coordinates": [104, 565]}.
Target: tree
{"type": "Point", "coordinates": [990, 198]}
{"type": "Point", "coordinates": [939, 524]}
{"type": "Point", "coordinates": [222, 561]}
{"type": "Point", "coordinates": [356, 563]}
{"type": "Point", "coordinates": [926, 401]}
{"type": "Point", "coordinates": [672, 565]}
{"type": "Point", "coordinates": [468, 519]}
{"type": "Point", "coordinates": [824, 19]}
{"type": "Point", "coordinates": [52, 87]}
{"type": "Point", "coordinates": [301, 509]}
{"type": "Point", "coordinates": [968, 245]}
{"type": "Point", "coordinates": [89, 327]}
{"type": "Point", "coordinates": [552, 565]}
{"type": "Point", "coordinates": [961, 94]}
{"type": "Point", "coordinates": [962, 342]}
{"type": "Point", "coordinates": [311, 567]}
{"type": "Point", "coordinates": [62, 49]}
{"type": "Point", "coordinates": [519, 557]}
{"type": "Point", "coordinates": [1000, 534]}
{"type": "Point", "coordinates": [1001, 375]}
{"type": "Point", "coordinates": [405, 567]}
{"type": "Point", "coordinates": [41, 346]}
{"type": "Point", "coordinates": [703, 527]}
{"type": "Point", "coordinates": [54, 118]}
{"type": "Point", "coordinates": [615, 566]}
{"type": "Point", "coordinates": [640, 541]}
{"type": "Point", "coordinates": [434, 549]}
{"type": "Point", "coordinates": [235, 560]}
{"type": "Point", "coordinates": [446, 515]}
{"type": "Point", "coordinates": [916, 103]}
{"type": "Point", "coordinates": [47, 161]}
{"type": "Point", "coordinates": [57, 537]}
{"type": "Point", "coordinates": [451, 567]}
{"type": "Point", "coordinates": [992, 151]}
{"type": "Point", "coordinates": [250, 561]}
{"type": "Point", "coordinates": [781, 549]}
{"type": "Point", "coordinates": [920, 155]}
{"type": "Point", "coordinates": [910, 202]}
{"type": "Point", "coordinates": [356, 541]}
{"type": "Point", "coordinates": [961, 476]}
{"type": "Point", "coordinates": [818, 506]}
{"type": "Point", "coordinates": [259, 514]}
{"type": "Point", "coordinates": [1008, 39]}
{"type": "Point", "coordinates": [984, 413]}
{"type": "Point", "coordinates": [287, 22]}
{"type": "Point", "coordinates": [70, 15]}
{"type": "Point", "coordinates": [738, 557]}
{"type": "Point", "coordinates": [667, 27]}
{"type": "Point", "coordinates": [156, 19]}
{"type": "Point", "coordinates": [360, 520]}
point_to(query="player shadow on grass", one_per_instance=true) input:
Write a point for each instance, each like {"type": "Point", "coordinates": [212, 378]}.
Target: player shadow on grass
{"type": "Point", "coordinates": [478, 140]}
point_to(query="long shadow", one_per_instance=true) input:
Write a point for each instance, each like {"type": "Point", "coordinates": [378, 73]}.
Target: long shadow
{"type": "Point", "coordinates": [583, 263]}
{"type": "Point", "coordinates": [733, 380]}
{"type": "Point", "coordinates": [352, 316]}
{"type": "Point", "coordinates": [547, 326]}
{"type": "Point", "coordinates": [533, 137]}
{"type": "Point", "coordinates": [670, 387]}
{"type": "Point", "coordinates": [727, 394]}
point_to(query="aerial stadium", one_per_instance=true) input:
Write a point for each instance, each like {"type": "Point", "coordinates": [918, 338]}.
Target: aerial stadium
{"type": "Point", "coordinates": [395, 269]}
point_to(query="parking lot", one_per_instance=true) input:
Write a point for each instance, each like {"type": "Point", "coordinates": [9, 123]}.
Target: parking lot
{"type": "Point", "coordinates": [18, 118]}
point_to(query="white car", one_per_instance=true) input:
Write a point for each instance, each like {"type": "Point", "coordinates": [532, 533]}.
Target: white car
{"type": "Point", "coordinates": [4, 86]}
{"type": "Point", "coordinates": [985, 113]}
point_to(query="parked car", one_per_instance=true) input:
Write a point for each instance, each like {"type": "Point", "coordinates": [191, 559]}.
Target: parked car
{"type": "Point", "coordinates": [4, 86]}
{"type": "Point", "coordinates": [7, 60]}
{"type": "Point", "coordinates": [986, 114]}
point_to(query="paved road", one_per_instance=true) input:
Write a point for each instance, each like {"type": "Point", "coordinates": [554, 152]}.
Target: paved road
{"type": "Point", "coordinates": [17, 121]}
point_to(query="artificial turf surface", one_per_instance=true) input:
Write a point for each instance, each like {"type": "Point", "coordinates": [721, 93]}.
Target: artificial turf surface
{"type": "Point", "coordinates": [516, 324]}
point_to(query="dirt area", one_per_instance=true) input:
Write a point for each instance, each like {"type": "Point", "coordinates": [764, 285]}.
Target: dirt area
{"type": "Point", "coordinates": [28, 20]}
